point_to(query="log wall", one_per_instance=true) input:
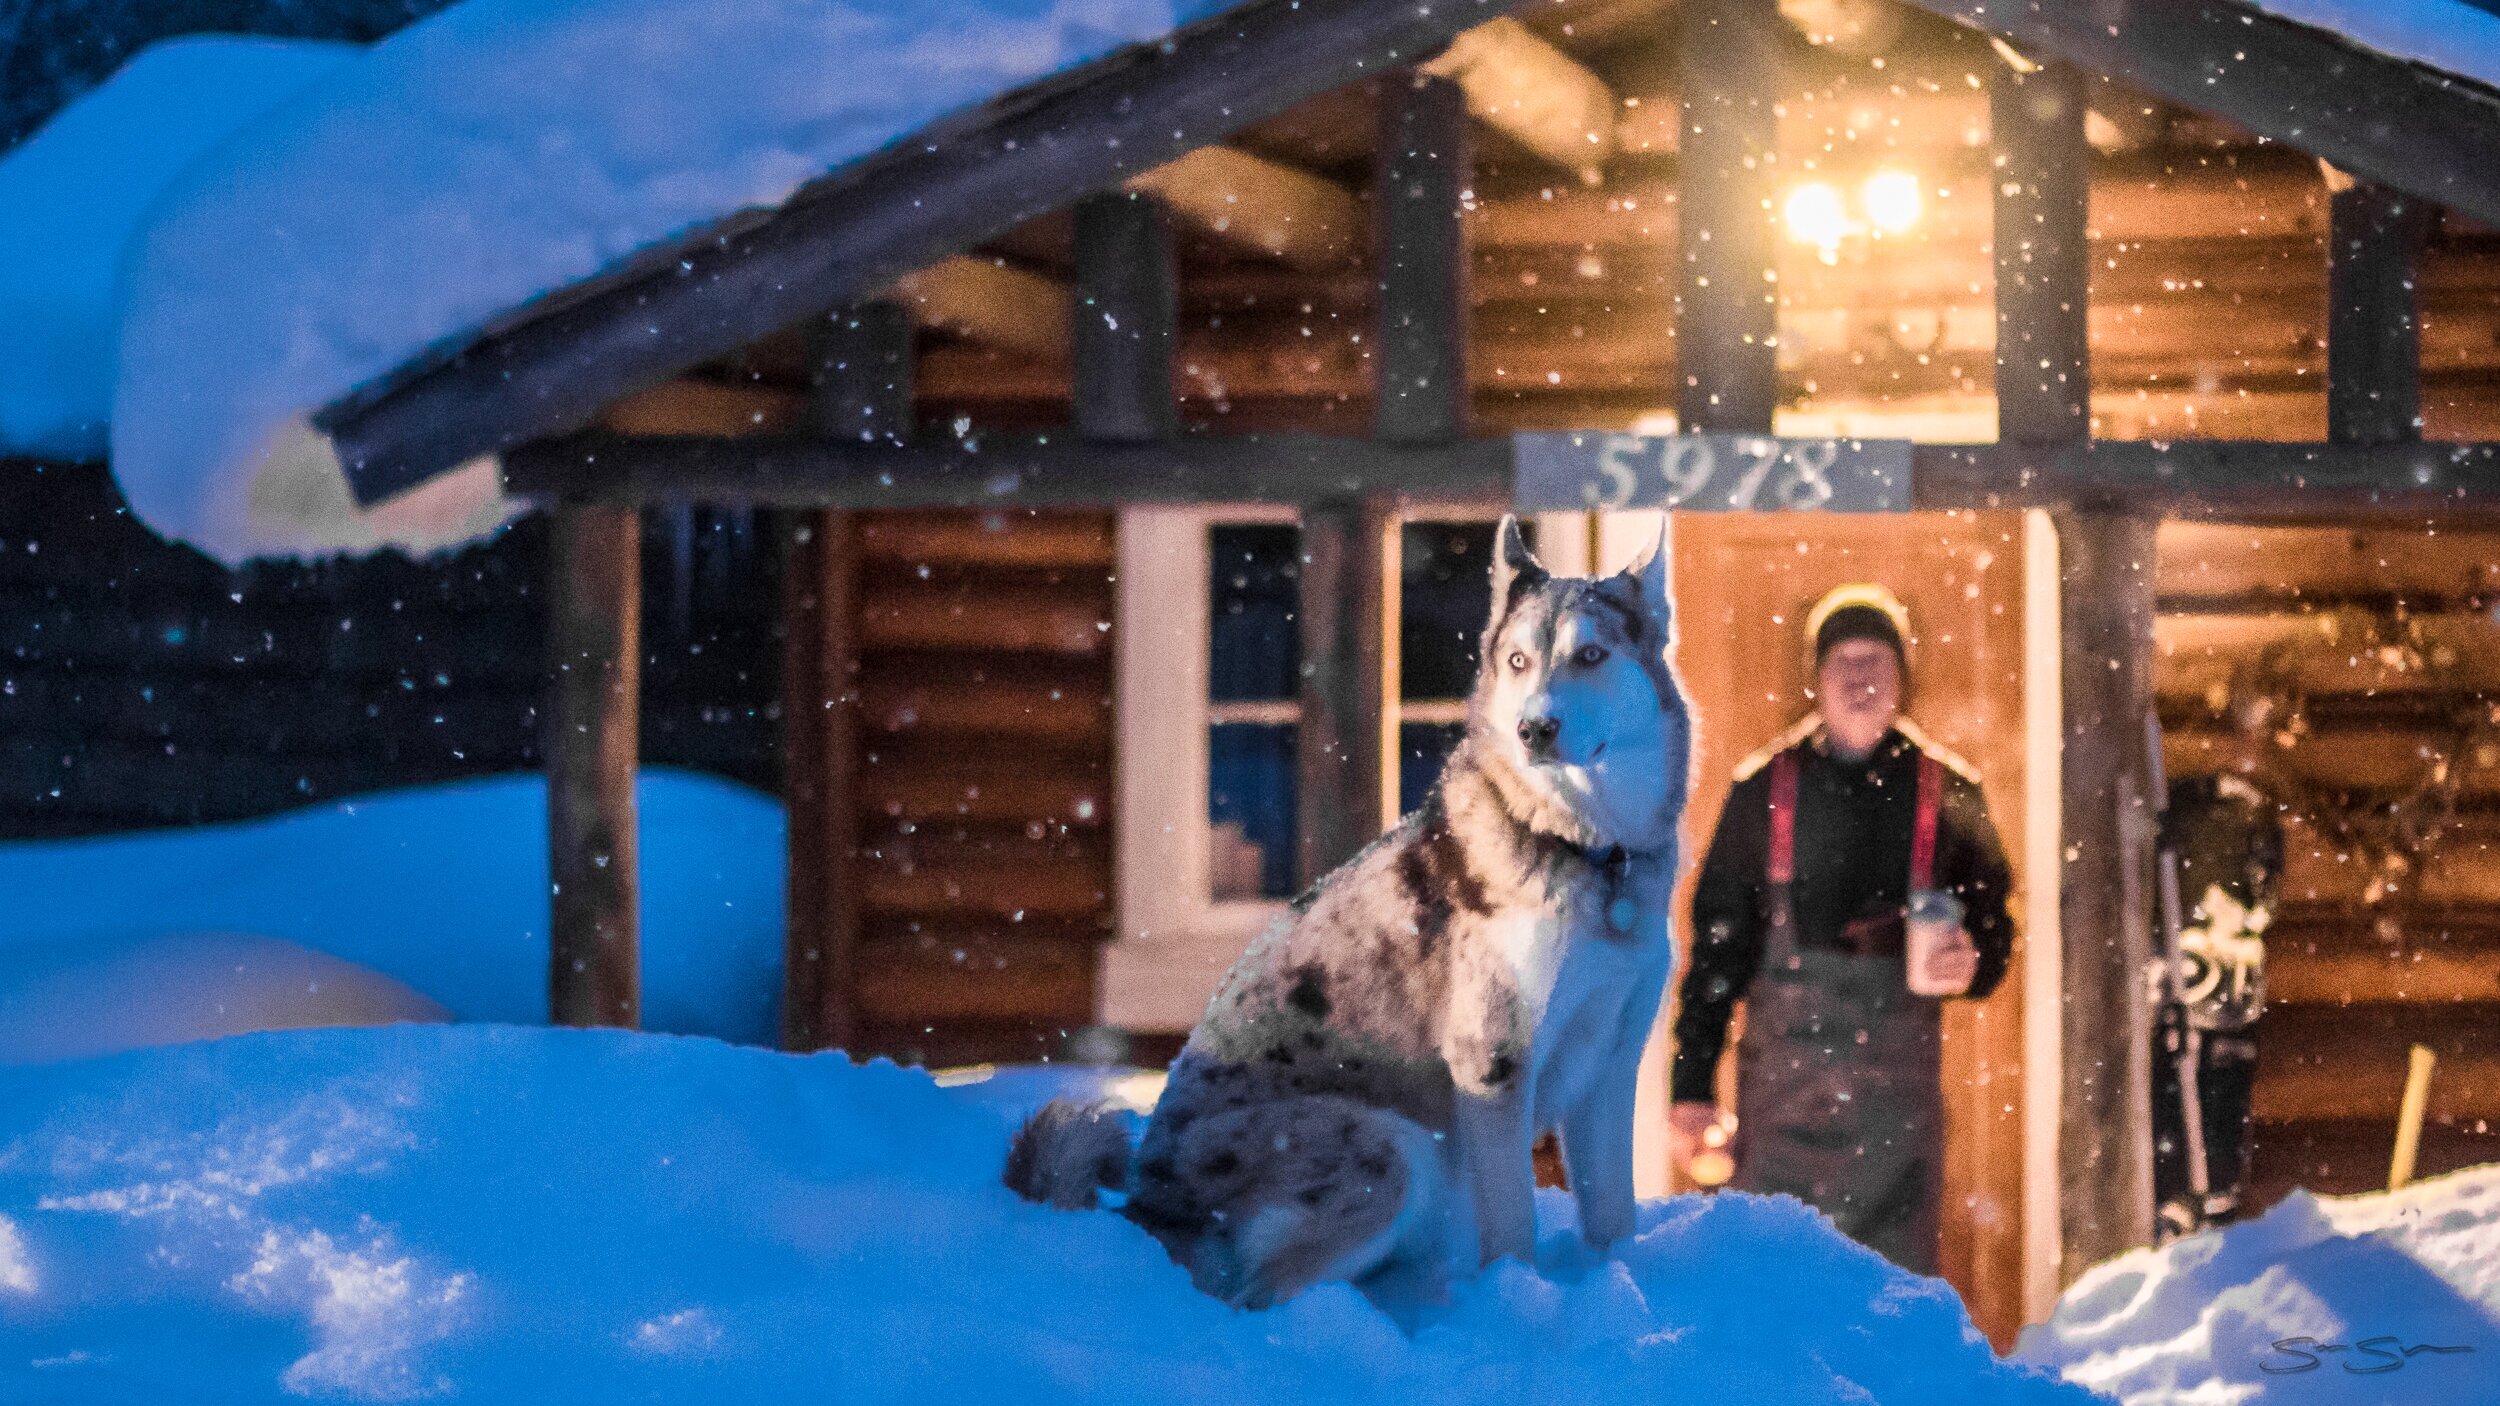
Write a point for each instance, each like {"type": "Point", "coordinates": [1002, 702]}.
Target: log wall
{"type": "Point", "coordinates": [984, 804]}
{"type": "Point", "coordinates": [2386, 635]}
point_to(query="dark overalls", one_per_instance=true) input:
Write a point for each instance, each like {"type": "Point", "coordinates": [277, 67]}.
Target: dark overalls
{"type": "Point", "coordinates": [1838, 1072]}
{"type": "Point", "coordinates": [1837, 1097]}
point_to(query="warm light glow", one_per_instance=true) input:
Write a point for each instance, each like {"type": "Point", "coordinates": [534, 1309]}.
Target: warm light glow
{"type": "Point", "coordinates": [1892, 200]}
{"type": "Point", "coordinates": [1814, 215]}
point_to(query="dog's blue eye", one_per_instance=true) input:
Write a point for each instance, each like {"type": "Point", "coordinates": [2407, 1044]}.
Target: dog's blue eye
{"type": "Point", "coordinates": [1518, 661]}
{"type": "Point", "coordinates": [1591, 654]}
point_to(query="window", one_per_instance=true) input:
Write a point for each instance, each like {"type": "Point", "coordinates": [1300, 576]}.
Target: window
{"type": "Point", "coordinates": [1209, 708]}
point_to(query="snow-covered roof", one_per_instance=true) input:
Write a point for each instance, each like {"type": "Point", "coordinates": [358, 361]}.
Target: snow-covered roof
{"type": "Point", "coordinates": [339, 219]}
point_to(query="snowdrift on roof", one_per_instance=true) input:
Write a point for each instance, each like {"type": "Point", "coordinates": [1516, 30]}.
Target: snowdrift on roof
{"type": "Point", "coordinates": [71, 195]}
{"type": "Point", "coordinates": [497, 151]}
{"type": "Point", "coordinates": [494, 1214]}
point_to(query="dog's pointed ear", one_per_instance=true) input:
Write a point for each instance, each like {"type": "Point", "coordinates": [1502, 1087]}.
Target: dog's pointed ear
{"type": "Point", "coordinates": [1652, 576]}
{"type": "Point", "coordinates": [1515, 568]}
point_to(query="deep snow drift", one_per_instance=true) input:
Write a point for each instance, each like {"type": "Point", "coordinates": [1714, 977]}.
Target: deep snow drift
{"type": "Point", "coordinates": [2249, 1313]}
{"type": "Point", "coordinates": [136, 938]}
{"type": "Point", "coordinates": [512, 1215]}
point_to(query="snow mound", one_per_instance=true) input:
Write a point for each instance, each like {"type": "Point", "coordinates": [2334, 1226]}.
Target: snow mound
{"type": "Point", "coordinates": [440, 889]}
{"type": "Point", "coordinates": [75, 999]}
{"type": "Point", "coordinates": [512, 1215]}
{"type": "Point", "coordinates": [497, 151]}
{"type": "Point", "coordinates": [73, 193]}
{"type": "Point", "coordinates": [2249, 1312]}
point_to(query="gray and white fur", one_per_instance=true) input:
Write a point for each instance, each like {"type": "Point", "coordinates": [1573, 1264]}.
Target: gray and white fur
{"type": "Point", "coordinates": [1362, 1096]}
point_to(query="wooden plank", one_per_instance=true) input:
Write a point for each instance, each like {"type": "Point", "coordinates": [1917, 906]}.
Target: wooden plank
{"type": "Point", "coordinates": [944, 972]}
{"type": "Point", "coordinates": [2426, 563]}
{"type": "Point", "coordinates": [2328, 1063]}
{"type": "Point", "coordinates": [2338, 654]}
{"type": "Point", "coordinates": [1727, 333]}
{"type": "Point", "coordinates": [1127, 300]}
{"type": "Point", "coordinates": [2384, 976]}
{"type": "Point", "coordinates": [992, 302]}
{"type": "Point", "coordinates": [923, 784]}
{"type": "Point", "coordinates": [937, 695]}
{"type": "Point", "coordinates": [1346, 775]}
{"type": "Point", "coordinates": [2380, 761]}
{"type": "Point", "coordinates": [1305, 222]}
{"type": "Point", "coordinates": [1533, 93]}
{"type": "Point", "coordinates": [2105, 1124]}
{"type": "Point", "coordinates": [860, 393]}
{"type": "Point", "coordinates": [594, 627]}
{"type": "Point", "coordinates": [2396, 122]}
{"type": "Point", "coordinates": [1071, 620]}
{"type": "Point", "coordinates": [549, 367]}
{"type": "Point", "coordinates": [993, 539]}
{"type": "Point", "coordinates": [2217, 480]}
{"type": "Point", "coordinates": [1423, 171]}
{"type": "Point", "coordinates": [2374, 328]}
{"type": "Point", "coordinates": [2043, 276]}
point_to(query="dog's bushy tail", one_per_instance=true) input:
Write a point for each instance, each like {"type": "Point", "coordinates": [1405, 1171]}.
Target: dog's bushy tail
{"type": "Point", "coordinates": [1068, 1153]}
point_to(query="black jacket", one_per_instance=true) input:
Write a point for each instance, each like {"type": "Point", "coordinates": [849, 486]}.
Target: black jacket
{"type": "Point", "coordinates": [1854, 824]}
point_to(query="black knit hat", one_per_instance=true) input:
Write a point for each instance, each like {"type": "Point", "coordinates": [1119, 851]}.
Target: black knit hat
{"type": "Point", "coordinates": [1860, 611]}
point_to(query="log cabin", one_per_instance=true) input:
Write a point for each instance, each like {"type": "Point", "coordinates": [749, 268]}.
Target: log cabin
{"type": "Point", "coordinates": [1138, 433]}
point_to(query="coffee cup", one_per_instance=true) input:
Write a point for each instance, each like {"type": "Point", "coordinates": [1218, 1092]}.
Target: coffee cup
{"type": "Point", "coordinates": [1934, 923]}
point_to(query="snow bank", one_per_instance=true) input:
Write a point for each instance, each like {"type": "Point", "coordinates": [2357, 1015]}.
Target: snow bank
{"type": "Point", "coordinates": [507, 1215]}
{"type": "Point", "coordinates": [496, 151]}
{"type": "Point", "coordinates": [2248, 1313]}
{"type": "Point", "coordinates": [440, 888]}
{"type": "Point", "coordinates": [72, 194]}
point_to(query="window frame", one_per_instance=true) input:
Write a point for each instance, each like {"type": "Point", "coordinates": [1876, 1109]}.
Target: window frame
{"type": "Point", "coordinates": [1172, 940]}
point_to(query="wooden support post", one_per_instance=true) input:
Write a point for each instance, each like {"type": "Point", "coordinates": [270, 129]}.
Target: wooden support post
{"type": "Point", "coordinates": [2105, 618]}
{"type": "Point", "coordinates": [1127, 304]}
{"type": "Point", "coordinates": [1422, 344]}
{"type": "Point", "coordinates": [1345, 788]}
{"type": "Point", "coordinates": [1727, 323]}
{"type": "Point", "coordinates": [594, 630]}
{"type": "Point", "coordinates": [861, 381]}
{"type": "Point", "coordinates": [2373, 324]}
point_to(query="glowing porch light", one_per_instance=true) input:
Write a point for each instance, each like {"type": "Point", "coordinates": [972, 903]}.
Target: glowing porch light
{"type": "Point", "coordinates": [1892, 200]}
{"type": "Point", "coordinates": [1814, 214]}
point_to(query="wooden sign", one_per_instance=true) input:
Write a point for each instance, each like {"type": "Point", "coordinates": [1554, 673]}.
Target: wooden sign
{"type": "Point", "coordinates": [1583, 469]}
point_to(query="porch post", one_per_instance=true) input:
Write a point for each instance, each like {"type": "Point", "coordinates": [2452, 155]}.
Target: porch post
{"type": "Point", "coordinates": [860, 389]}
{"type": "Point", "coordinates": [2373, 323]}
{"type": "Point", "coordinates": [2105, 609]}
{"type": "Point", "coordinates": [1727, 318]}
{"type": "Point", "coordinates": [594, 633]}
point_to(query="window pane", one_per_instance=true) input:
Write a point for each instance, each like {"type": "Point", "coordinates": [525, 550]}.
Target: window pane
{"type": "Point", "coordinates": [1447, 590]}
{"type": "Point", "coordinates": [1422, 748]}
{"type": "Point", "coordinates": [1250, 798]}
{"type": "Point", "coordinates": [1255, 575]}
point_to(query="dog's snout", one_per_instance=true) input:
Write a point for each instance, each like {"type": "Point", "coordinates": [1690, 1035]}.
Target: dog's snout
{"type": "Point", "coordinates": [1538, 734]}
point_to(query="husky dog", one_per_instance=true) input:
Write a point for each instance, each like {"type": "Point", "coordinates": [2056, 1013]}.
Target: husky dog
{"type": "Point", "coordinates": [1361, 1098]}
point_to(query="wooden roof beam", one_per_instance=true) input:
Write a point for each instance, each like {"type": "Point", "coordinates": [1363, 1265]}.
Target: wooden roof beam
{"type": "Point", "coordinates": [1535, 94]}
{"type": "Point", "coordinates": [1264, 206]}
{"type": "Point", "coordinates": [2402, 124]}
{"type": "Point", "coordinates": [991, 302]}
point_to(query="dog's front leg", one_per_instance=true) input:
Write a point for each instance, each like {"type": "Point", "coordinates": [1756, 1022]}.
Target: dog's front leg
{"type": "Point", "coordinates": [1498, 1154]}
{"type": "Point", "coordinates": [1597, 1150]}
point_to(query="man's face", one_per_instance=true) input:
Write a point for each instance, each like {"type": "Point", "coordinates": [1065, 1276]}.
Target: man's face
{"type": "Point", "coordinates": [1859, 685]}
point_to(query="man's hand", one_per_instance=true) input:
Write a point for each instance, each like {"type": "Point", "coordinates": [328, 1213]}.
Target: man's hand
{"type": "Point", "coordinates": [1953, 966]}
{"type": "Point", "coordinates": [1687, 1123]}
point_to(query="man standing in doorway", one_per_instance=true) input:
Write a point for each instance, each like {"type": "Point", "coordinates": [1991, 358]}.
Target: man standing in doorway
{"type": "Point", "coordinates": [1838, 840]}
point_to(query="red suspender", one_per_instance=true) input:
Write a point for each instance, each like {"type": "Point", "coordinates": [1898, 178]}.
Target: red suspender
{"type": "Point", "coordinates": [1783, 834]}
{"type": "Point", "coordinates": [1923, 833]}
